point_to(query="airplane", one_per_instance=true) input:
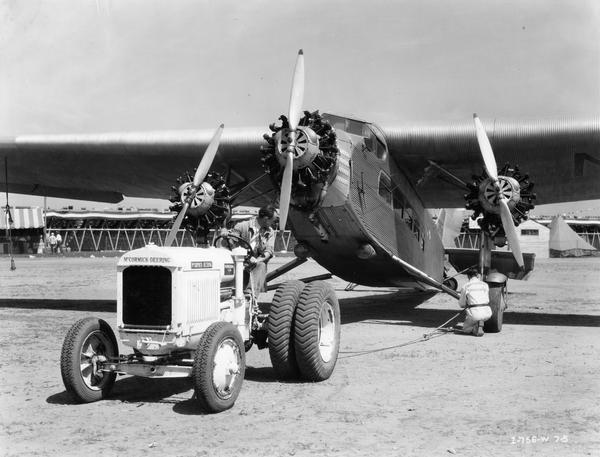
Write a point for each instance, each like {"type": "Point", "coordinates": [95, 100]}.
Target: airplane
{"type": "Point", "coordinates": [356, 195]}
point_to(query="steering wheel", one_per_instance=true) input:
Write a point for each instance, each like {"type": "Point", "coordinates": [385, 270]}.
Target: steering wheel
{"type": "Point", "coordinates": [231, 238]}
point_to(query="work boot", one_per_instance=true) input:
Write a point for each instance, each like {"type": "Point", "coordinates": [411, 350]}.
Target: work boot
{"type": "Point", "coordinates": [479, 330]}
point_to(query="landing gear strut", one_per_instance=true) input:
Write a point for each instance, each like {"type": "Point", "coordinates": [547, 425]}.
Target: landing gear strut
{"type": "Point", "coordinates": [497, 283]}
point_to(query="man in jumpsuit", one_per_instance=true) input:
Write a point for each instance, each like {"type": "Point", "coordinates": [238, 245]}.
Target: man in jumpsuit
{"type": "Point", "coordinates": [258, 232]}
{"type": "Point", "coordinates": [475, 296]}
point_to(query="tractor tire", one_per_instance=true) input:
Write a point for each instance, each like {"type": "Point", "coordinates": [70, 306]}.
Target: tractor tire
{"type": "Point", "coordinates": [281, 329]}
{"type": "Point", "coordinates": [86, 341]}
{"type": "Point", "coordinates": [317, 331]}
{"type": "Point", "coordinates": [219, 367]}
{"type": "Point", "coordinates": [498, 305]}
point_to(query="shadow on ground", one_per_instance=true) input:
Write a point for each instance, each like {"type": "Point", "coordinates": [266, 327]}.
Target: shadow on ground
{"type": "Point", "coordinates": [400, 307]}
{"type": "Point", "coordinates": [100, 306]}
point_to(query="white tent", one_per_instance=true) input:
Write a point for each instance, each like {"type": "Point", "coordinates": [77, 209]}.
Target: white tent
{"type": "Point", "coordinates": [564, 242]}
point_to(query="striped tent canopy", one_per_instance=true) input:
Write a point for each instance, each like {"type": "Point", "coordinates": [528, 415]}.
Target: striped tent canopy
{"type": "Point", "coordinates": [23, 218]}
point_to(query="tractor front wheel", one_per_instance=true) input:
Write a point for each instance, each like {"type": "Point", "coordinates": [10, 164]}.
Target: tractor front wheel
{"type": "Point", "coordinates": [89, 343]}
{"type": "Point", "coordinates": [219, 367]}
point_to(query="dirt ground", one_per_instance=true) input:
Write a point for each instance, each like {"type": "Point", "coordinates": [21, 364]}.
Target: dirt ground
{"type": "Point", "coordinates": [531, 390]}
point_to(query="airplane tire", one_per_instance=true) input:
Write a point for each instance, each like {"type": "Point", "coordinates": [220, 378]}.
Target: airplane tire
{"type": "Point", "coordinates": [498, 305]}
{"type": "Point", "coordinates": [219, 367]}
{"type": "Point", "coordinates": [281, 329]}
{"type": "Point", "coordinates": [317, 331]}
{"type": "Point", "coordinates": [86, 341]}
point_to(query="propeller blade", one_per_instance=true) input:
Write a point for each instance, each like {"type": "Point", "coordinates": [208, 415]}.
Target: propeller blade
{"type": "Point", "coordinates": [286, 191]}
{"type": "Point", "coordinates": [208, 157]}
{"type": "Point", "coordinates": [486, 149]}
{"type": "Point", "coordinates": [176, 225]}
{"type": "Point", "coordinates": [511, 231]}
{"type": "Point", "coordinates": [297, 92]}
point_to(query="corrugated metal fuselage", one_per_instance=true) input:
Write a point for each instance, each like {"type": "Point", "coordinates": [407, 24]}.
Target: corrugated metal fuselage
{"type": "Point", "coordinates": [370, 202]}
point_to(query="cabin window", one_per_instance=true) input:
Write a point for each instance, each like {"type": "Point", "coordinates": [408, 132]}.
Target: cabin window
{"type": "Point", "coordinates": [385, 187]}
{"type": "Point", "coordinates": [530, 232]}
{"type": "Point", "coordinates": [373, 144]}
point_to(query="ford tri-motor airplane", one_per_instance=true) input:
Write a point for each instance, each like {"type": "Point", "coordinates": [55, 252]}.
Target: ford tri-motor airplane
{"type": "Point", "coordinates": [355, 195]}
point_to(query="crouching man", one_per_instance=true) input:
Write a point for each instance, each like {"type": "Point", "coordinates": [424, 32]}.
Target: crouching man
{"type": "Point", "coordinates": [258, 232]}
{"type": "Point", "coordinates": [475, 296]}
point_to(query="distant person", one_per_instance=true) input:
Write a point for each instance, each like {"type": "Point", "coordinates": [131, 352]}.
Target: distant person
{"type": "Point", "coordinates": [52, 241]}
{"type": "Point", "coordinates": [259, 233]}
{"type": "Point", "coordinates": [475, 296]}
{"type": "Point", "coordinates": [59, 241]}
{"type": "Point", "coordinates": [40, 247]}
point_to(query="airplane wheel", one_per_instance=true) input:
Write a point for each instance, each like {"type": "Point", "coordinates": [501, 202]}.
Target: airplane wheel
{"type": "Point", "coordinates": [317, 331]}
{"type": "Point", "coordinates": [88, 342]}
{"type": "Point", "coordinates": [498, 305]}
{"type": "Point", "coordinates": [219, 367]}
{"type": "Point", "coordinates": [281, 328]}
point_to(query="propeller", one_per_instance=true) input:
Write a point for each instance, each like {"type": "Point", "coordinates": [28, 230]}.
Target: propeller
{"type": "Point", "coordinates": [294, 114]}
{"type": "Point", "coordinates": [201, 172]}
{"type": "Point", "coordinates": [491, 168]}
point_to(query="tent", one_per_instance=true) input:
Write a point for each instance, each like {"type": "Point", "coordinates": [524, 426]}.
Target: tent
{"type": "Point", "coordinates": [564, 242]}
{"type": "Point", "coordinates": [22, 218]}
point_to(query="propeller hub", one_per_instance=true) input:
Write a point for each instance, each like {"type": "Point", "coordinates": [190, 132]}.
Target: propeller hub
{"type": "Point", "coordinates": [200, 200]}
{"type": "Point", "coordinates": [491, 191]}
{"type": "Point", "coordinates": [302, 142]}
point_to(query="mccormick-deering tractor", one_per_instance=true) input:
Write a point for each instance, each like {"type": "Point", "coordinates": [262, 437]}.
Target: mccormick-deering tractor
{"type": "Point", "coordinates": [185, 312]}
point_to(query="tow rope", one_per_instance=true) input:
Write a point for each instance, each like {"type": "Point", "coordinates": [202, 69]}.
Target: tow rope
{"type": "Point", "coordinates": [438, 331]}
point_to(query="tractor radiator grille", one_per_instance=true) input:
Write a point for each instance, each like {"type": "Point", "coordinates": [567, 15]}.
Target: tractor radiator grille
{"type": "Point", "coordinates": [203, 295]}
{"type": "Point", "coordinates": [147, 296]}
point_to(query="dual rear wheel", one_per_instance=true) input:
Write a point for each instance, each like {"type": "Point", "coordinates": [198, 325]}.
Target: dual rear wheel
{"type": "Point", "coordinates": [304, 331]}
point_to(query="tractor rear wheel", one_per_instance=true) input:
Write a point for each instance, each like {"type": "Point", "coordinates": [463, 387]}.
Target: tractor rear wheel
{"type": "Point", "coordinates": [281, 329]}
{"type": "Point", "coordinates": [498, 305]}
{"type": "Point", "coordinates": [317, 331]}
{"type": "Point", "coordinates": [88, 343]}
{"type": "Point", "coordinates": [219, 367]}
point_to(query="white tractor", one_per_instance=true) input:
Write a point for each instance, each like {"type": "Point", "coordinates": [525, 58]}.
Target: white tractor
{"type": "Point", "coordinates": [185, 313]}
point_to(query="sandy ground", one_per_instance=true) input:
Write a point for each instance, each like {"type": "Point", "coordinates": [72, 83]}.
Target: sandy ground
{"type": "Point", "coordinates": [531, 390]}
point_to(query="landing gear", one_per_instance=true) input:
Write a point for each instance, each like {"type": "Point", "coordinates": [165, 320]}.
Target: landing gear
{"type": "Point", "coordinates": [89, 343]}
{"type": "Point", "coordinates": [281, 329]}
{"type": "Point", "coordinates": [498, 305]}
{"type": "Point", "coordinates": [317, 331]}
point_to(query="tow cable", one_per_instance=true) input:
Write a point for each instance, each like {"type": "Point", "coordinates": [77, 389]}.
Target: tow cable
{"type": "Point", "coordinates": [438, 331]}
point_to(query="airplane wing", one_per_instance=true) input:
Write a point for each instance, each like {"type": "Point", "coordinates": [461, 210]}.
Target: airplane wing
{"type": "Point", "coordinates": [104, 167]}
{"type": "Point", "coordinates": [562, 157]}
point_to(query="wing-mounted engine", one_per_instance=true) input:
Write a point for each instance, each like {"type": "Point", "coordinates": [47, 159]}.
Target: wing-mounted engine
{"type": "Point", "coordinates": [209, 204]}
{"type": "Point", "coordinates": [315, 152]}
{"type": "Point", "coordinates": [485, 194]}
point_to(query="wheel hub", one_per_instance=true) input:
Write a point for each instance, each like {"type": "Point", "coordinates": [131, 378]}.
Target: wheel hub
{"type": "Point", "coordinates": [326, 332]}
{"type": "Point", "coordinates": [93, 351]}
{"type": "Point", "coordinates": [226, 369]}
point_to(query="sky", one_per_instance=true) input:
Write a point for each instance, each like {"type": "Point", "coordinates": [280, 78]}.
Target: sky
{"type": "Point", "coordinates": [137, 65]}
